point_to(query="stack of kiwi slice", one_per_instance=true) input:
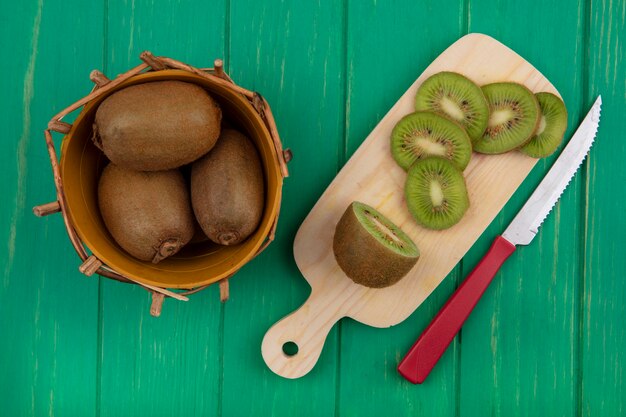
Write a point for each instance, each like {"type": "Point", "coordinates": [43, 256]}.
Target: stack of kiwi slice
{"type": "Point", "coordinates": [453, 117]}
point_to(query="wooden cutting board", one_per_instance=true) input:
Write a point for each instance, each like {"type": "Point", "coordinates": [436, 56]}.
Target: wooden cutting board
{"type": "Point", "coordinates": [372, 177]}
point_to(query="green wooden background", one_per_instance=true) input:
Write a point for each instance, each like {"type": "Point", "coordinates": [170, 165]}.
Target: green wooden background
{"type": "Point", "coordinates": [548, 338]}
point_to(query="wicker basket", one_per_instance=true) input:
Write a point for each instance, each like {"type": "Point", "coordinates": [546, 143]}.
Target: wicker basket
{"type": "Point", "coordinates": [77, 173]}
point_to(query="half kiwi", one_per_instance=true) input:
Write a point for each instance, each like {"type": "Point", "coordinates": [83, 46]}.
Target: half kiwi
{"type": "Point", "coordinates": [552, 125]}
{"type": "Point", "coordinates": [370, 249]}
{"type": "Point", "coordinates": [457, 98]}
{"type": "Point", "coordinates": [435, 193]}
{"type": "Point", "coordinates": [513, 118]}
{"type": "Point", "coordinates": [423, 134]}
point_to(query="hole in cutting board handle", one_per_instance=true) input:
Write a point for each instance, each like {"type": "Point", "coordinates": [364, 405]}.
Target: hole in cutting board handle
{"type": "Point", "coordinates": [290, 349]}
{"type": "Point", "coordinates": [292, 346]}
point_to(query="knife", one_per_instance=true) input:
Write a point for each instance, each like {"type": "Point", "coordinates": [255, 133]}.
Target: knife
{"type": "Point", "coordinates": [433, 342]}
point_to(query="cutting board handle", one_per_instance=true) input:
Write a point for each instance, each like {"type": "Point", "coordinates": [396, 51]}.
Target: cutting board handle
{"type": "Point", "coordinates": [307, 328]}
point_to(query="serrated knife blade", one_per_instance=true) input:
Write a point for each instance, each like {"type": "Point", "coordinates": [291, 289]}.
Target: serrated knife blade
{"type": "Point", "coordinates": [434, 341]}
{"type": "Point", "coordinates": [525, 225]}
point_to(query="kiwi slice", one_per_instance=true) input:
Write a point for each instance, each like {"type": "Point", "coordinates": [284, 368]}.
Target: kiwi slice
{"type": "Point", "coordinates": [422, 134]}
{"type": "Point", "coordinates": [435, 193]}
{"type": "Point", "coordinates": [457, 98]}
{"type": "Point", "coordinates": [370, 249]}
{"type": "Point", "coordinates": [552, 125]}
{"type": "Point", "coordinates": [513, 118]}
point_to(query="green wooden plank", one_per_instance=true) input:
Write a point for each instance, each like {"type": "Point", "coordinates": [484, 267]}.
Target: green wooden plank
{"type": "Point", "coordinates": [291, 52]}
{"type": "Point", "coordinates": [603, 348]}
{"type": "Point", "coordinates": [389, 45]}
{"type": "Point", "coordinates": [47, 357]}
{"type": "Point", "coordinates": [519, 349]}
{"type": "Point", "coordinates": [168, 365]}
{"type": "Point", "coordinates": [159, 366]}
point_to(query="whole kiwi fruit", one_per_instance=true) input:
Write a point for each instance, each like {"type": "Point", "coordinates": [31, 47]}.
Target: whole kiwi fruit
{"type": "Point", "coordinates": [147, 213]}
{"type": "Point", "coordinates": [370, 249]}
{"type": "Point", "coordinates": [227, 189]}
{"type": "Point", "coordinates": [157, 125]}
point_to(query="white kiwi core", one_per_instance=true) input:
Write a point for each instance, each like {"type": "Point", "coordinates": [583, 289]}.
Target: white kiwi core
{"type": "Point", "coordinates": [500, 117]}
{"type": "Point", "coordinates": [430, 146]}
{"type": "Point", "coordinates": [436, 193]}
{"type": "Point", "coordinates": [387, 231]}
{"type": "Point", "coordinates": [542, 125]}
{"type": "Point", "coordinates": [452, 109]}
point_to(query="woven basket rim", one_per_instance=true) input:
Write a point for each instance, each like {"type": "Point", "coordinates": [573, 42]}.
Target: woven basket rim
{"type": "Point", "coordinates": [91, 264]}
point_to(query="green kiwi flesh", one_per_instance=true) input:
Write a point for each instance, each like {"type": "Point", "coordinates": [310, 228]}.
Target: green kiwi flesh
{"type": "Point", "coordinates": [457, 98]}
{"type": "Point", "coordinates": [147, 213]}
{"type": "Point", "coordinates": [423, 134]}
{"type": "Point", "coordinates": [227, 189]}
{"type": "Point", "coordinates": [157, 126]}
{"type": "Point", "coordinates": [513, 118]}
{"type": "Point", "coordinates": [370, 249]}
{"type": "Point", "coordinates": [552, 125]}
{"type": "Point", "coordinates": [435, 193]}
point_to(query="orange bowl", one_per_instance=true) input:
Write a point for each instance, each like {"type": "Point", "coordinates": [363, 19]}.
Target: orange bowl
{"type": "Point", "coordinates": [196, 264]}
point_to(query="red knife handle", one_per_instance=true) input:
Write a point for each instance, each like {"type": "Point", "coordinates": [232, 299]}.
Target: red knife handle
{"type": "Point", "coordinates": [434, 341]}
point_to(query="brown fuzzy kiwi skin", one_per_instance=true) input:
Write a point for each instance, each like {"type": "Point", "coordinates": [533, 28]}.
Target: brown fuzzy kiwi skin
{"type": "Point", "coordinates": [157, 126]}
{"type": "Point", "coordinates": [363, 258]}
{"type": "Point", "coordinates": [227, 189]}
{"type": "Point", "coordinates": [198, 235]}
{"type": "Point", "coordinates": [147, 213]}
